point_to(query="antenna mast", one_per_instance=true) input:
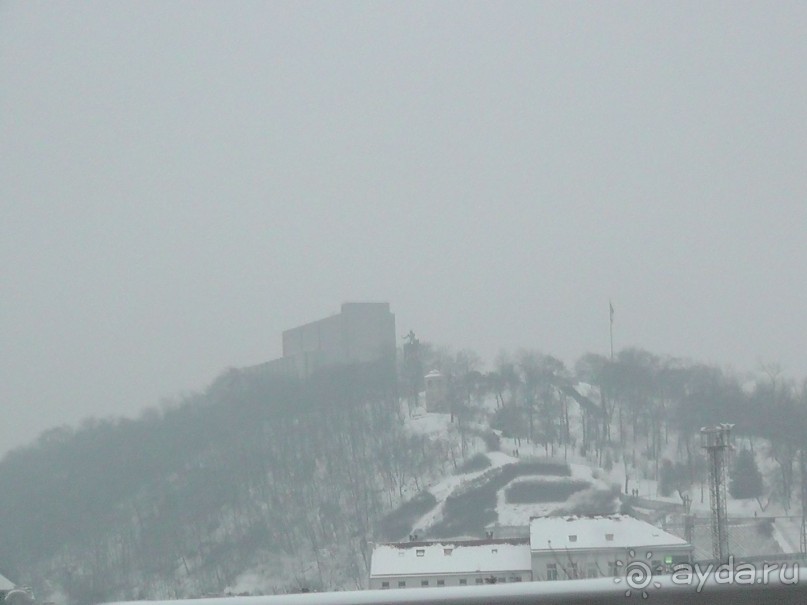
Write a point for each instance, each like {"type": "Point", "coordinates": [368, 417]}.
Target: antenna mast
{"type": "Point", "coordinates": [716, 441]}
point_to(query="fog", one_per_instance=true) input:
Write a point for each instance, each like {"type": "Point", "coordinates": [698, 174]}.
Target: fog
{"type": "Point", "coordinates": [181, 182]}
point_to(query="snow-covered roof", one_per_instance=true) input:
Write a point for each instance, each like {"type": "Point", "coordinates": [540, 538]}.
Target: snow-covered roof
{"type": "Point", "coordinates": [583, 533]}
{"type": "Point", "coordinates": [450, 557]}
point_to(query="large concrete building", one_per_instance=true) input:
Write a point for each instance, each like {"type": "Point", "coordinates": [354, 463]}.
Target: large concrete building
{"type": "Point", "coordinates": [360, 333]}
{"type": "Point", "coordinates": [558, 548]}
{"type": "Point", "coordinates": [450, 563]}
{"type": "Point", "coordinates": [575, 547]}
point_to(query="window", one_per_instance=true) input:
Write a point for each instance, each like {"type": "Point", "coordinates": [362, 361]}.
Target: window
{"type": "Point", "coordinates": [447, 551]}
{"type": "Point", "coordinates": [384, 584]}
{"type": "Point", "coordinates": [501, 580]}
{"type": "Point", "coordinates": [517, 579]}
{"type": "Point", "coordinates": [401, 584]}
{"type": "Point", "coordinates": [420, 552]}
{"type": "Point", "coordinates": [424, 582]}
{"type": "Point", "coordinates": [441, 582]}
{"type": "Point", "coordinates": [463, 582]}
{"type": "Point", "coordinates": [609, 537]}
{"type": "Point", "coordinates": [551, 571]}
{"type": "Point", "coordinates": [572, 538]}
{"type": "Point", "coordinates": [571, 572]}
{"type": "Point", "coordinates": [494, 550]}
{"type": "Point", "coordinates": [612, 568]}
{"type": "Point", "coordinates": [478, 581]}
{"type": "Point", "coordinates": [592, 571]}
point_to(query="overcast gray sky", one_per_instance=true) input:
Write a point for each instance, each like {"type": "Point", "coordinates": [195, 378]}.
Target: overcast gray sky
{"type": "Point", "coordinates": [181, 181]}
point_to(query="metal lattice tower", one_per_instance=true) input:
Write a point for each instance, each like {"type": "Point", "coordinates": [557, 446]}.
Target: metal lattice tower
{"type": "Point", "coordinates": [803, 468]}
{"type": "Point", "coordinates": [689, 519]}
{"type": "Point", "coordinates": [717, 442]}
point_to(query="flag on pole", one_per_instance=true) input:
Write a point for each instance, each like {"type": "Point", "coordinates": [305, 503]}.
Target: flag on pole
{"type": "Point", "coordinates": [611, 327]}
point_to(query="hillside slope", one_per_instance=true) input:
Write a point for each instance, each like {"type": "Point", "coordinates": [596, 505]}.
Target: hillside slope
{"type": "Point", "coordinates": [257, 472]}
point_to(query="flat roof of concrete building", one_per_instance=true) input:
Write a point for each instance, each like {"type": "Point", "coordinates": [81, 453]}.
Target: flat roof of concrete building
{"type": "Point", "coordinates": [451, 557]}
{"type": "Point", "coordinates": [596, 532]}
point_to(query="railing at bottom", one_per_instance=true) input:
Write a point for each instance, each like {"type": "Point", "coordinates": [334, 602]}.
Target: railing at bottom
{"type": "Point", "coordinates": [775, 589]}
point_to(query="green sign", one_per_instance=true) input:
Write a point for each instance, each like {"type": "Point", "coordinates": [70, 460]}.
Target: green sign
{"type": "Point", "coordinates": [668, 559]}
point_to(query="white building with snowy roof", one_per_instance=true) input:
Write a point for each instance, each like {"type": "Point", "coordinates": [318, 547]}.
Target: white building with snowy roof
{"type": "Point", "coordinates": [589, 547]}
{"type": "Point", "coordinates": [6, 586]}
{"type": "Point", "coordinates": [450, 563]}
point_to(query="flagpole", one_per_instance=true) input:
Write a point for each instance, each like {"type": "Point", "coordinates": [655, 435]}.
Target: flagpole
{"type": "Point", "coordinates": [611, 309]}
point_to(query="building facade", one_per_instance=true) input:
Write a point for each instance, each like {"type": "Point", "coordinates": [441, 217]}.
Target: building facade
{"type": "Point", "coordinates": [558, 548]}
{"type": "Point", "coordinates": [359, 333]}
{"type": "Point", "coordinates": [450, 563]}
{"type": "Point", "coordinates": [575, 547]}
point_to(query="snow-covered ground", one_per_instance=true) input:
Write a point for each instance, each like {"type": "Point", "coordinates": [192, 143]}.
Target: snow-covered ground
{"type": "Point", "coordinates": [437, 425]}
{"type": "Point", "coordinates": [427, 423]}
{"type": "Point", "coordinates": [461, 447]}
{"type": "Point", "coordinates": [787, 533]}
{"type": "Point", "coordinates": [442, 489]}
{"type": "Point", "coordinates": [511, 514]}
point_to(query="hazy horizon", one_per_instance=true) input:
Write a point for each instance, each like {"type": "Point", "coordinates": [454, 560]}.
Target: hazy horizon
{"type": "Point", "coordinates": [181, 182]}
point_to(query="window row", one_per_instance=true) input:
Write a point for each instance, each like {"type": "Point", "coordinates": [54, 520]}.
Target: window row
{"type": "Point", "coordinates": [461, 582]}
{"type": "Point", "coordinates": [555, 571]}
